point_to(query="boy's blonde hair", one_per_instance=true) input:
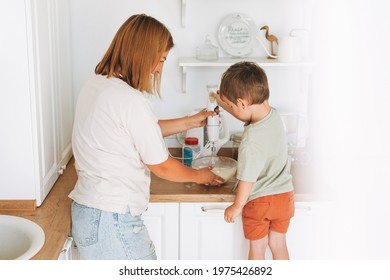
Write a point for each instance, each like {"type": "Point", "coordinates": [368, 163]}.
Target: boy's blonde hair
{"type": "Point", "coordinates": [244, 80]}
{"type": "Point", "coordinates": [136, 49]}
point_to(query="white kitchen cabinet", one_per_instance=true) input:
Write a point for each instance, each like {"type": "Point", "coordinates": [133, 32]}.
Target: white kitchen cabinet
{"type": "Point", "coordinates": [308, 234]}
{"type": "Point", "coordinates": [36, 116]}
{"type": "Point", "coordinates": [162, 222]}
{"type": "Point", "coordinates": [188, 231]}
{"type": "Point", "coordinates": [301, 232]}
{"type": "Point", "coordinates": [204, 234]}
{"type": "Point", "coordinates": [198, 231]}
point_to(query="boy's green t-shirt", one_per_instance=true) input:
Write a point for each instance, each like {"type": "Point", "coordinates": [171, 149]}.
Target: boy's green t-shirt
{"type": "Point", "coordinates": [263, 157]}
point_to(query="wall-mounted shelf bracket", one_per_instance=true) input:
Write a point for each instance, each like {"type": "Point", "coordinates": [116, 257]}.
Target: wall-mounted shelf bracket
{"type": "Point", "coordinates": [183, 12]}
{"type": "Point", "coordinates": [183, 79]}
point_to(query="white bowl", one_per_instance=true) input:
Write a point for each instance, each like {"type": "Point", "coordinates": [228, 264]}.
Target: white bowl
{"type": "Point", "coordinates": [224, 167]}
{"type": "Point", "coordinates": [20, 239]}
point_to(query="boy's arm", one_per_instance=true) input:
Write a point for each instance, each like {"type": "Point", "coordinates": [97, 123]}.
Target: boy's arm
{"type": "Point", "coordinates": [243, 191]}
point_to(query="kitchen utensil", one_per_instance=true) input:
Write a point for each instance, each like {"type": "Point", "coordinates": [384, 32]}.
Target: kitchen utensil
{"type": "Point", "coordinates": [216, 133]}
{"type": "Point", "coordinates": [224, 167]}
{"type": "Point", "coordinates": [217, 128]}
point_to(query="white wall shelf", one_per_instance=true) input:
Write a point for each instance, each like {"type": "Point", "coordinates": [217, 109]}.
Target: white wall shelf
{"type": "Point", "coordinates": [185, 62]}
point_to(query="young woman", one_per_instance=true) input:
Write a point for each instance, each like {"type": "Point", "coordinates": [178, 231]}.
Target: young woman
{"type": "Point", "coordinates": [117, 141]}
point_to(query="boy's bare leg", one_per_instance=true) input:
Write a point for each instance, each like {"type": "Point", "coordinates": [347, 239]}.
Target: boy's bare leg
{"type": "Point", "coordinates": [278, 245]}
{"type": "Point", "coordinates": [257, 248]}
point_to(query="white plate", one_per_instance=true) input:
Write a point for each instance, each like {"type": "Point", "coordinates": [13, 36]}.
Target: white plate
{"type": "Point", "coordinates": [235, 35]}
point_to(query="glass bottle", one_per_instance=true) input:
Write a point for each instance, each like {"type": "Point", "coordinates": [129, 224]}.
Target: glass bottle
{"type": "Point", "coordinates": [190, 149]}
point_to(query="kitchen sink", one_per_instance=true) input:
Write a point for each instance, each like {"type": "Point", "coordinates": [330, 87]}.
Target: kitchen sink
{"type": "Point", "coordinates": [20, 238]}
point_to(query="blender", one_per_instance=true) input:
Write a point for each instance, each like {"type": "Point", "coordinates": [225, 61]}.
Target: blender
{"type": "Point", "coordinates": [215, 134]}
{"type": "Point", "coordinates": [217, 129]}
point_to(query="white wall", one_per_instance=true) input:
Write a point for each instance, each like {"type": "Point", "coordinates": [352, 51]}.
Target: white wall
{"type": "Point", "coordinates": [94, 23]}
{"type": "Point", "coordinates": [348, 102]}
{"type": "Point", "coordinates": [353, 132]}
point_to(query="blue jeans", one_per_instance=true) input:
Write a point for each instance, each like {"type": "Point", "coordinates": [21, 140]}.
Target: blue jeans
{"type": "Point", "coordinates": [106, 235]}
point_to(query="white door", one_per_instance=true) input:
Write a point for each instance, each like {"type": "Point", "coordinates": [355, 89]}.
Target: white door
{"type": "Point", "coordinates": [44, 94]}
{"type": "Point", "coordinates": [51, 89]}
{"type": "Point", "coordinates": [204, 234]}
{"type": "Point", "coordinates": [63, 81]}
{"type": "Point", "coordinates": [162, 222]}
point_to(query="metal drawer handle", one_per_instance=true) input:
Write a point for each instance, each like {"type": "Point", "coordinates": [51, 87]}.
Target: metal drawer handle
{"type": "Point", "coordinates": [212, 210]}
{"type": "Point", "coordinates": [305, 208]}
{"type": "Point", "coordinates": [67, 245]}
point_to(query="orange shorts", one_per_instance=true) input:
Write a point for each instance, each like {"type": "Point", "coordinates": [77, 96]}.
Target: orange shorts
{"type": "Point", "coordinates": [271, 212]}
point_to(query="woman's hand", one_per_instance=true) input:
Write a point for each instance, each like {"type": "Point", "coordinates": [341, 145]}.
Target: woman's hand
{"type": "Point", "coordinates": [174, 170]}
{"type": "Point", "coordinates": [173, 126]}
{"type": "Point", "coordinates": [207, 177]}
{"type": "Point", "coordinates": [200, 119]}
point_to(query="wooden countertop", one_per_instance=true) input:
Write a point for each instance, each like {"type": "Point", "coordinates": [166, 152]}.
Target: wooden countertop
{"type": "Point", "coordinates": [54, 214]}
{"type": "Point", "coordinates": [165, 191]}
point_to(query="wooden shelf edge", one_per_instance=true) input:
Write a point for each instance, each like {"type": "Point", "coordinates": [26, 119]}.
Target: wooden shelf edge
{"type": "Point", "coordinates": [20, 205]}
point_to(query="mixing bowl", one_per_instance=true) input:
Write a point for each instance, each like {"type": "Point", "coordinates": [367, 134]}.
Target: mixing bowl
{"type": "Point", "coordinates": [224, 167]}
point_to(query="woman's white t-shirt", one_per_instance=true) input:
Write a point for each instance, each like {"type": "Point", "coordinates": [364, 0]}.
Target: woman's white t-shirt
{"type": "Point", "coordinates": [115, 134]}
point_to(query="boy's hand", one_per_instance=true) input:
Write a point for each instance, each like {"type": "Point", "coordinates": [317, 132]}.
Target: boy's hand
{"type": "Point", "coordinates": [216, 96]}
{"type": "Point", "coordinates": [232, 212]}
{"type": "Point", "coordinates": [221, 103]}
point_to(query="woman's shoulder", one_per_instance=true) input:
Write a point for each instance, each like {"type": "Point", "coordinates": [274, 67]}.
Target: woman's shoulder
{"type": "Point", "coordinates": [115, 89]}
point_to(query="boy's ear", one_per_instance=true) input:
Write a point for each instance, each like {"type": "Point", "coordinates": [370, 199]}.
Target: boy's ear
{"type": "Point", "coordinates": [242, 103]}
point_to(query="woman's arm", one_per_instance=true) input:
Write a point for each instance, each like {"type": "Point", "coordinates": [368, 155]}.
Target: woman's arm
{"type": "Point", "coordinates": [173, 170]}
{"type": "Point", "coordinates": [173, 126]}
